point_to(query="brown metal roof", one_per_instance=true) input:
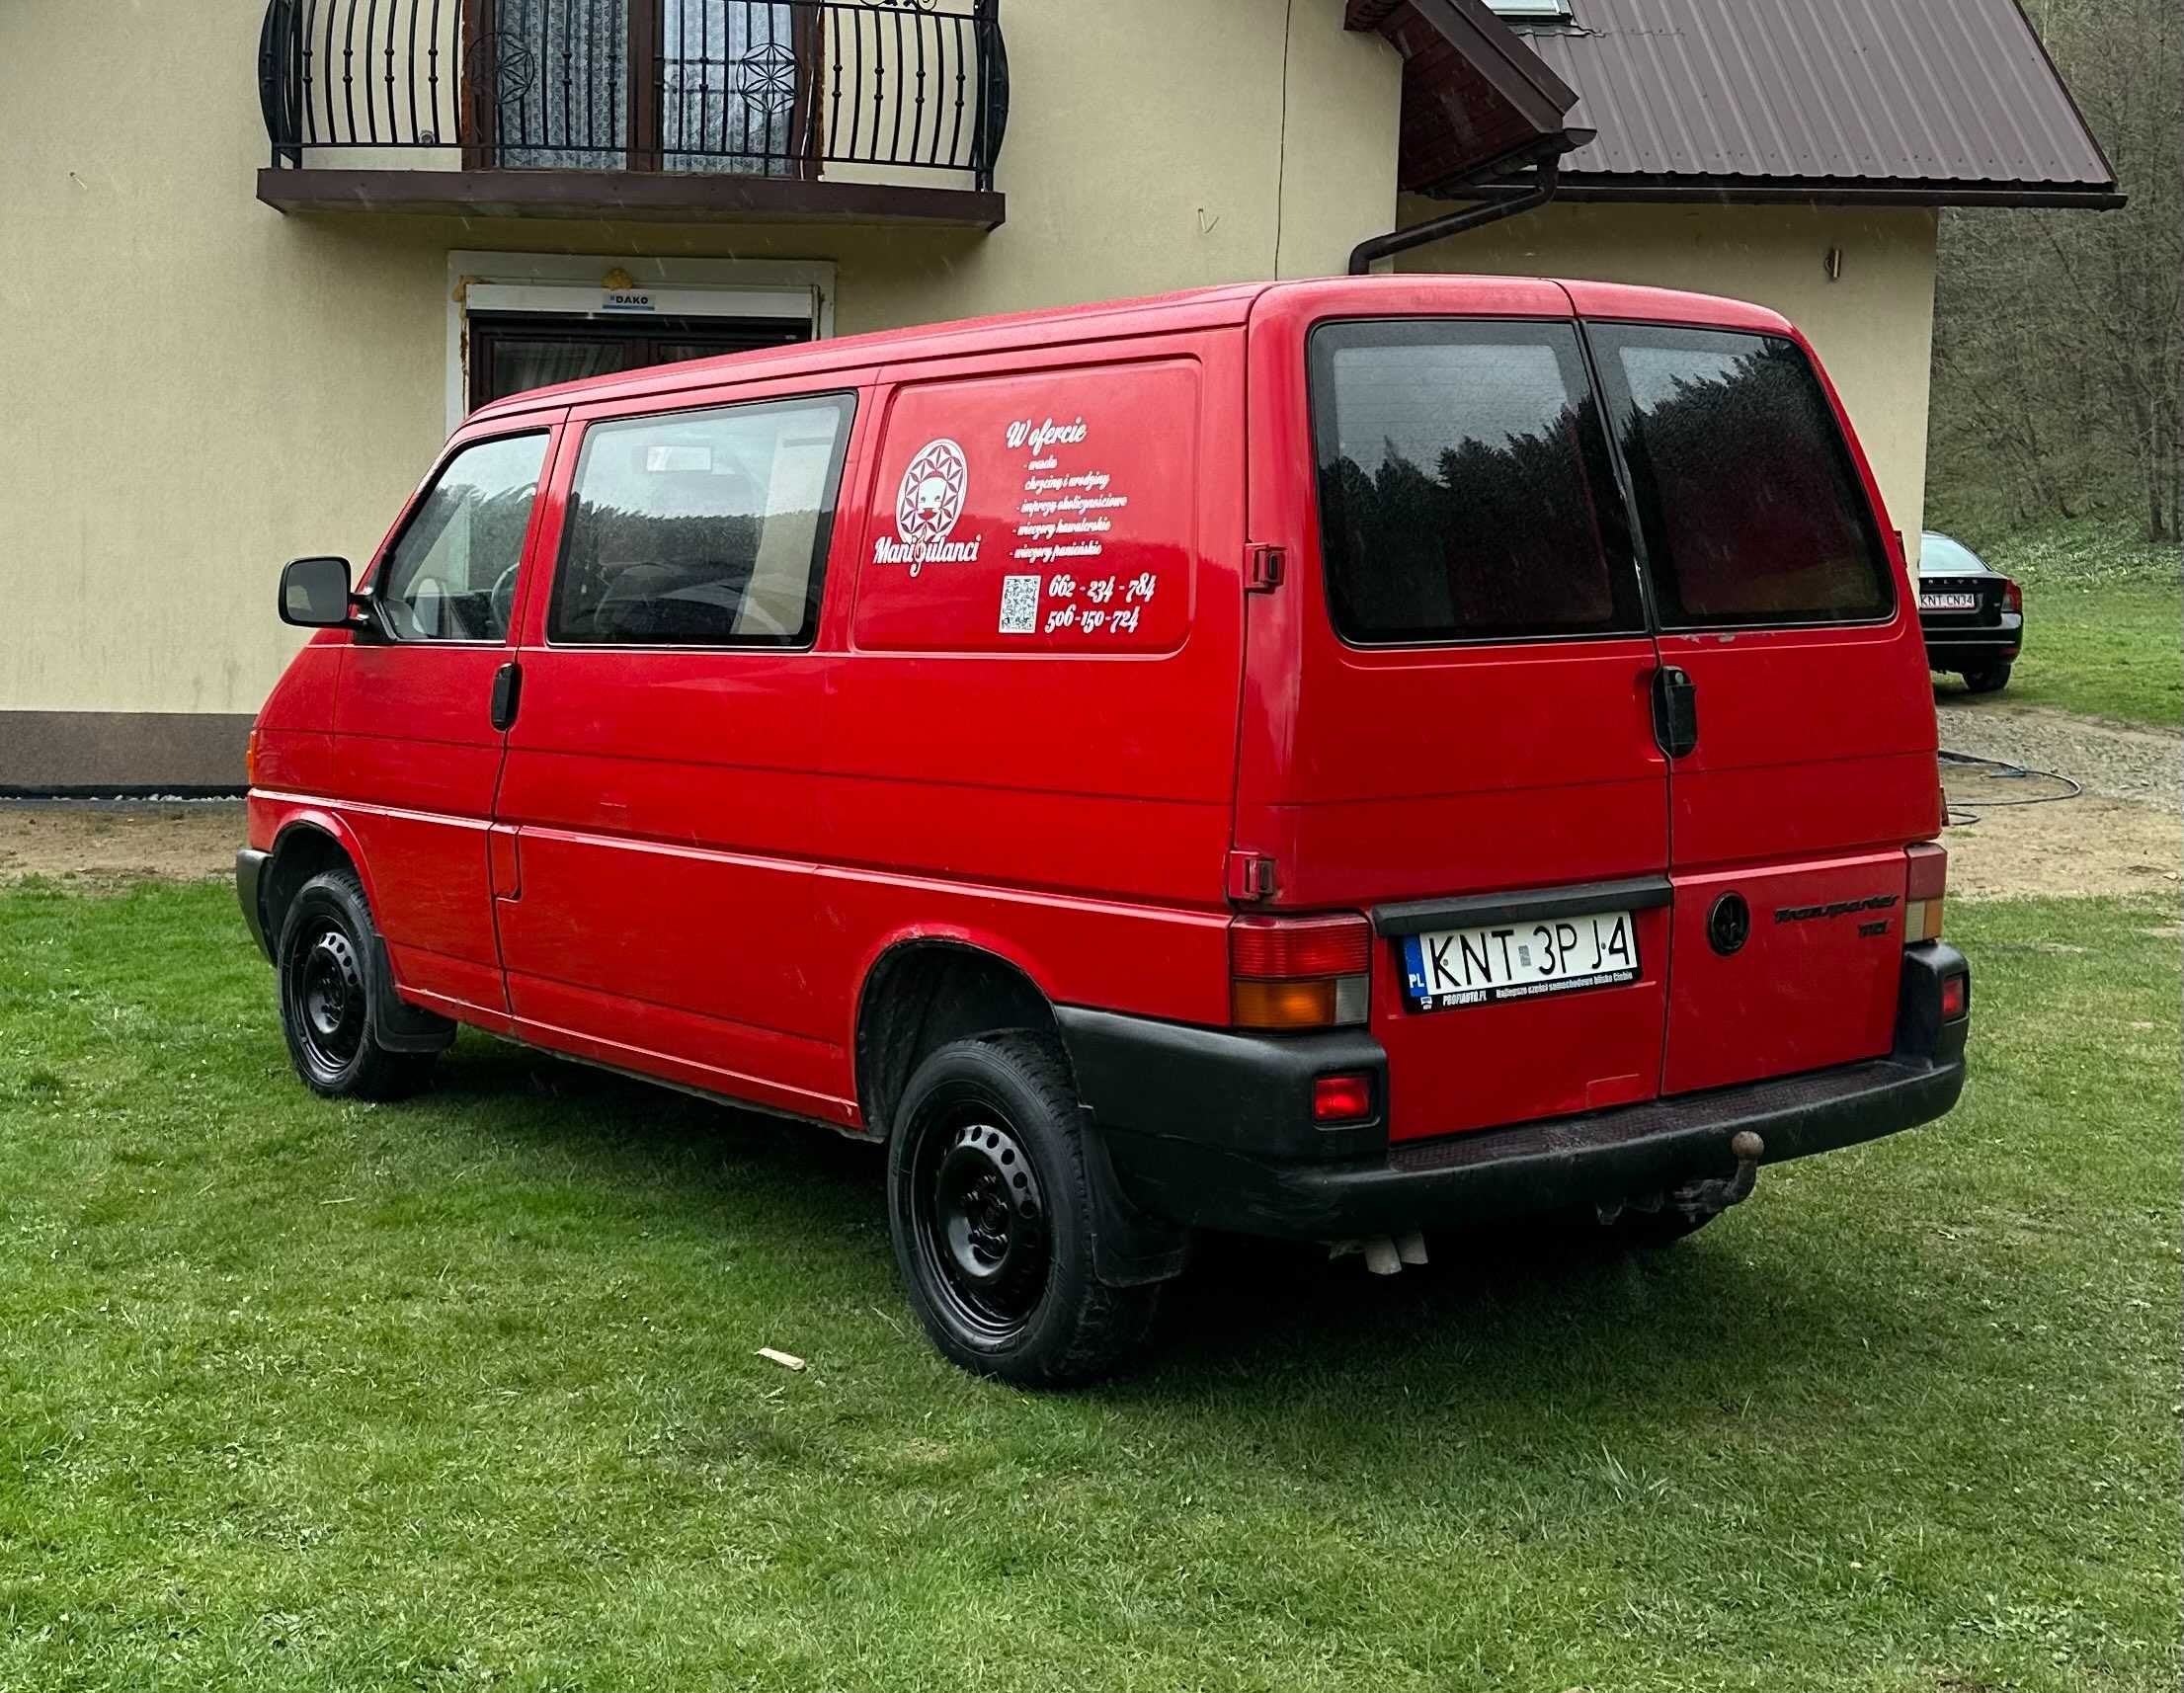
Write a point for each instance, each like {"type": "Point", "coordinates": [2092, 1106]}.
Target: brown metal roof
{"type": "Point", "coordinates": [1932, 101]}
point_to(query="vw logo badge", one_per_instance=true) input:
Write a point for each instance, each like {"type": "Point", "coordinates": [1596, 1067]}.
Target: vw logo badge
{"type": "Point", "coordinates": [1729, 923]}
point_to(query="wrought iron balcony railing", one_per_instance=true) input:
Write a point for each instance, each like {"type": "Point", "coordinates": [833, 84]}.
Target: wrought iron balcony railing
{"type": "Point", "coordinates": [793, 88]}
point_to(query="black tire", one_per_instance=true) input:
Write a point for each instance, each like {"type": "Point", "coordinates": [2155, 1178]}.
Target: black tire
{"type": "Point", "coordinates": [1986, 679]}
{"type": "Point", "coordinates": [989, 1202]}
{"type": "Point", "coordinates": [323, 960]}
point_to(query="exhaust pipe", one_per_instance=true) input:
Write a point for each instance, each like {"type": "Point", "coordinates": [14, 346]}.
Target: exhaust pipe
{"type": "Point", "coordinates": [1385, 1254]}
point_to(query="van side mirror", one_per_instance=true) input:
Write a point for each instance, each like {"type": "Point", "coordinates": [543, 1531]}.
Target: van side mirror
{"type": "Point", "coordinates": [314, 593]}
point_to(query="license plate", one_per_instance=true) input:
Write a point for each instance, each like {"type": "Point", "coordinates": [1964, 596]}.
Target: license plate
{"type": "Point", "coordinates": [1948, 602]}
{"type": "Point", "coordinates": [1520, 960]}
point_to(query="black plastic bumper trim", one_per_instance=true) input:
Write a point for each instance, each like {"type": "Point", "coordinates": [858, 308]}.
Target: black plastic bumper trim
{"type": "Point", "coordinates": [1491, 1175]}
{"type": "Point", "coordinates": [1209, 1129]}
{"type": "Point", "coordinates": [250, 871]}
{"type": "Point", "coordinates": [1249, 1092]}
{"type": "Point", "coordinates": [1477, 911]}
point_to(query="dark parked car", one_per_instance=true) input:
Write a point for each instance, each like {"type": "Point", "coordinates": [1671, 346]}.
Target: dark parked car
{"type": "Point", "coordinates": [1974, 616]}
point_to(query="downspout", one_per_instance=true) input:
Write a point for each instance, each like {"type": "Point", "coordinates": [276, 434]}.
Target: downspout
{"type": "Point", "coordinates": [1544, 179]}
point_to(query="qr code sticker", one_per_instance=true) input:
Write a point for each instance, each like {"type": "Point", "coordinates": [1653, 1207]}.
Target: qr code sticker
{"type": "Point", "coordinates": [1019, 605]}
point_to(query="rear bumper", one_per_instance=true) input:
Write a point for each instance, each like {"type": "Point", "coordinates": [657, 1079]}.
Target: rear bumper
{"type": "Point", "coordinates": [1948, 648]}
{"type": "Point", "coordinates": [1155, 1093]}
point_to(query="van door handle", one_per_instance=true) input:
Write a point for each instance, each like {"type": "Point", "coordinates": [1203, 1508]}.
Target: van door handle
{"type": "Point", "coordinates": [507, 694]}
{"type": "Point", "coordinates": [1675, 711]}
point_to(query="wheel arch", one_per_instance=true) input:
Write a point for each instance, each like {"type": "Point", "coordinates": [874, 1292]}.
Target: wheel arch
{"type": "Point", "coordinates": [306, 845]}
{"type": "Point", "coordinates": [920, 992]}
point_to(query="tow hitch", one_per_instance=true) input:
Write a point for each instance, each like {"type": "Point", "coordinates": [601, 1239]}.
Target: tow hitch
{"type": "Point", "coordinates": [1696, 1201]}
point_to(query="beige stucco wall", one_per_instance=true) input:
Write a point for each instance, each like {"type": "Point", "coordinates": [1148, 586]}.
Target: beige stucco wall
{"type": "Point", "coordinates": [201, 387]}
{"type": "Point", "coordinates": [1873, 328]}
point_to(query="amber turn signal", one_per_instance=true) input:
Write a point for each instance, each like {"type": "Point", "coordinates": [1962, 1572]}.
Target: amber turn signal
{"type": "Point", "coordinates": [1926, 880]}
{"type": "Point", "coordinates": [1282, 1005]}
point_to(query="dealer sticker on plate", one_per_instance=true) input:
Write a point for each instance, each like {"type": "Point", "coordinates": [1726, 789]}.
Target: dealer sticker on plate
{"type": "Point", "coordinates": [1518, 961]}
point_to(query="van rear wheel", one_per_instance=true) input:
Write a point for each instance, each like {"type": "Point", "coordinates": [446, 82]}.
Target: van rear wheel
{"type": "Point", "coordinates": [990, 1203]}
{"type": "Point", "coordinates": [327, 996]}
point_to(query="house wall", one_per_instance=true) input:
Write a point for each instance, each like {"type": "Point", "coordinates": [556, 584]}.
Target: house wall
{"type": "Point", "coordinates": [1873, 328]}
{"type": "Point", "coordinates": [202, 387]}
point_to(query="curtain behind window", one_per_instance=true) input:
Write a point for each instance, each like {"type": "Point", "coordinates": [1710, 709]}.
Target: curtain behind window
{"type": "Point", "coordinates": [560, 73]}
{"type": "Point", "coordinates": [728, 78]}
{"type": "Point", "coordinates": [728, 85]}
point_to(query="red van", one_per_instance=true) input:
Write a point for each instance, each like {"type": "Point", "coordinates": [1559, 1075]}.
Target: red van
{"type": "Point", "coordinates": [1326, 760]}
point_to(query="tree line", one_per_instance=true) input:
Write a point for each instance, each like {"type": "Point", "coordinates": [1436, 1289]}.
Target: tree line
{"type": "Point", "coordinates": [2057, 334]}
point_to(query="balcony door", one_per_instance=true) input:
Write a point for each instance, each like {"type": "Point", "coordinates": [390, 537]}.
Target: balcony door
{"type": "Point", "coordinates": [510, 354]}
{"type": "Point", "coordinates": [651, 85]}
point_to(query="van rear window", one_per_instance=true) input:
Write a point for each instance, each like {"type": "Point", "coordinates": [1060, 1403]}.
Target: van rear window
{"type": "Point", "coordinates": [1465, 488]}
{"type": "Point", "coordinates": [1748, 497]}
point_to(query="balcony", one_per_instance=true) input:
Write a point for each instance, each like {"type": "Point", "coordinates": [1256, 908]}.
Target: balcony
{"type": "Point", "coordinates": [855, 110]}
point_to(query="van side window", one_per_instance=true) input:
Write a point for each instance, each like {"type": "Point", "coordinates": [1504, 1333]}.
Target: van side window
{"type": "Point", "coordinates": [703, 529]}
{"type": "Point", "coordinates": [1465, 487]}
{"type": "Point", "coordinates": [1748, 497]}
{"type": "Point", "coordinates": [451, 573]}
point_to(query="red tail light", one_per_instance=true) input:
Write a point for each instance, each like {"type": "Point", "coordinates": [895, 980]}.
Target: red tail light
{"type": "Point", "coordinates": [2013, 595]}
{"type": "Point", "coordinates": [1925, 881]}
{"type": "Point", "coordinates": [1342, 1098]}
{"type": "Point", "coordinates": [1295, 973]}
{"type": "Point", "coordinates": [1956, 999]}
{"type": "Point", "coordinates": [1277, 948]}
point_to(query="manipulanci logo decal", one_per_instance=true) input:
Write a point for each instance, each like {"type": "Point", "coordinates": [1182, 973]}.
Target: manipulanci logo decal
{"type": "Point", "coordinates": [927, 503]}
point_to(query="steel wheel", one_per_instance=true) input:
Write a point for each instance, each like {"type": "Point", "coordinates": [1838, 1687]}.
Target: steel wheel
{"type": "Point", "coordinates": [981, 1223]}
{"type": "Point", "coordinates": [331, 980]}
{"type": "Point", "coordinates": [332, 1010]}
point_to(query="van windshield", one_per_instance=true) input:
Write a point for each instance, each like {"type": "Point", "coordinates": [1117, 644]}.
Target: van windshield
{"type": "Point", "coordinates": [1465, 487]}
{"type": "Point", "coordinates": [1751, 506]}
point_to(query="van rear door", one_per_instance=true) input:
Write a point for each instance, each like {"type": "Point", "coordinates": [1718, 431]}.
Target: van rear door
{"type": "Point", "coordinates": [1446, 716]}
{"type": "Point", "coordinates": [1793, 699]}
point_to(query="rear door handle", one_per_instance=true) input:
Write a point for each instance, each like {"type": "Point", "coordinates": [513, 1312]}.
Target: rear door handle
{"type": "Point", "coordinates": [507, 695]}
{"type": "Point", "coordinates": [1675, 711]}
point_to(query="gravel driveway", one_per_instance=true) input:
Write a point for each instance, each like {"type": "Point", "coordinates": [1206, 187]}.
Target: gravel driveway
{"type": "Point", "coordinates": [2123, 835]}
{"type": "Point", "coordinates": [2108, 758]}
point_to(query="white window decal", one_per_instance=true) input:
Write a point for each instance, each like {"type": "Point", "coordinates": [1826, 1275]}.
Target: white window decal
{"type": "Point", "coordinates": [927, 503]}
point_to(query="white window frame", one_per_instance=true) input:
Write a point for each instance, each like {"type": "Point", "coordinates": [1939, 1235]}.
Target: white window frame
{"type": "Point", "coordinates": [792, 291]}
{"type": "Point", "coordinates": [1549, 11]}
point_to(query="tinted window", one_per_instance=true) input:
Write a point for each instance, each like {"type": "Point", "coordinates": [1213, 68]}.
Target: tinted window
{"type": "Point", "coordinates": [451, 576]}
{"type": "Point", "coordinates": [1938, 555]}
{"type": "Point", "coordinates": [1458, 468]}
{"type": "Point", "coordinates": [1748, 501]}
{"type": "Point", "coordinates": [703, 529]}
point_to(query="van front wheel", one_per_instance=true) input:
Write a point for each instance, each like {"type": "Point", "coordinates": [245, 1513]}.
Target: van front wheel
{"type": "Point", "coordinates": [990, 1203]}
{"type": "Point", "coordinates": [326, 996]}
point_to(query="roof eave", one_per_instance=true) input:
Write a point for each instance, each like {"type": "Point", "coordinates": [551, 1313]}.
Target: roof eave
{"type": "Point", "coordinates": [1781, 191]}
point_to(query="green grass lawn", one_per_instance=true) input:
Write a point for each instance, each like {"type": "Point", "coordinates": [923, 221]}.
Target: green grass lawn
{"type": "Point", "coordinates": [461, 1393]}
{"type": "Point", "coordinates": [2104, 622]}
